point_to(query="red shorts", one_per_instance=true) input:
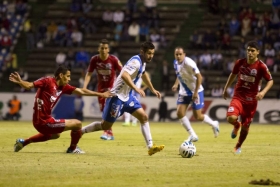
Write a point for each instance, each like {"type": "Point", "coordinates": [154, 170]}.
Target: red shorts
{"type": "Point", "coordinates": [51, 126]}
{"type": "Point", "coordinates": [246, 110]}
{"type": "Point", "coordinates": [101, 101]}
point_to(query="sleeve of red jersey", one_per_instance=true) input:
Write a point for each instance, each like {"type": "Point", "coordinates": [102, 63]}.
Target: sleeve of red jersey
{"type": "Point", "coordinates": [118, 64]}
{"type": "Point", "coordinates": [266, 73]}
{"type": "Point", "coordinates": [92, 64]}
{"type": "Point", "coordinates": [40, 83]}
{"type": "Point", "coordinates": [236, 67]}
{"type": "Point", "coordinates": [68, 89]}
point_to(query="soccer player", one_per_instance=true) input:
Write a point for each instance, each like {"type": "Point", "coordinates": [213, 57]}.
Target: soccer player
{"type": "Point", "coordinates": [125, 102]}
{"type": "Point", "coordinates": [48, 93]}
{"type": "Point", "coordinates": [106, 66]}
{"type": "Point", "coordinates": [190, 92]}
{"type": "Point", "coordinates": [250, 72]}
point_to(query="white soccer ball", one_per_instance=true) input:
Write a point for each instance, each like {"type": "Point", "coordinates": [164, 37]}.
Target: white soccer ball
{"type": "Point", "coordinates": [187, 150]}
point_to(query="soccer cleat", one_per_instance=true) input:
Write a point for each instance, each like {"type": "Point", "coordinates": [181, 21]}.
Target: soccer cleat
{"type": "Point", "coordinates": [154, 149]}
{"type": "Point", "coordinates": [76, 151]}
{"type": "Point", "coordinates": [18, 145]}
{"type": "Point", "coordinates": [110, 137]}
{"type": "Point", "coordinates": [235, 131]}
{"type": "Point", "coordinates": [104, 136]}
{"type": "Point", "coordinates": [216, 129]}
{"type": "Point", "coordinates": [192, 138]}
{"type": "Point", "coordinates": [237, 151]}
{"type": "Point", "coordinates": [126, 124]}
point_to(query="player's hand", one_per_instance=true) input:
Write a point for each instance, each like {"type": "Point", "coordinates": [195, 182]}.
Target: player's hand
{"type": "Point", "coordinates": [259, 96]}
{"type": "Point", "coordinates": [141, 92]}
{"type": "Point", "coordinates": [174, 88]}
{"type": "Point", "coordinates": [15, 77]}
{"type": "Point", "coordinates": [195, 96]}
{"type": "Point", "coordinates": [107, 94]}
{"type": "Point", "coordinates": [225, 94]}
{"type": "Point", "coordinates": [157, 93]}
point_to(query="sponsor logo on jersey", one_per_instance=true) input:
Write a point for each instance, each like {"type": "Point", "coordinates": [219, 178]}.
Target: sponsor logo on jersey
{"type": "Point", "coordinates": [114, 110]}
{"type": "Point", "coordinates": [104, 72]}
{"type": "Point", "coordinates": [247, 78]}
{"type": "Point", "coordinates": [254, 72]}
{"type": "Point", "coordinates": [131, 103]}
{"type": "Point", "coordinates": [53, 99]}
{"type": "Point", "coordinates": [231, 109]}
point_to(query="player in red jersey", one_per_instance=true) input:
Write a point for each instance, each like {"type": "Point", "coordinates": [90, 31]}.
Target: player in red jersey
{"type": "Point", "coordinates": [106, 66]}
{"type": "Point", "coordinates": [49, 91]}
{"type": "Point", "coordinates": [250, 72]}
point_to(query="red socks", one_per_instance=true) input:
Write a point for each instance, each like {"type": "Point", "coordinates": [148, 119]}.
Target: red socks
{"type": "Point", "coordinates": [110, 132]}
{"type": "Point", "coordinates": [75, 137]}
{"type": "Point", "coordinates": [37, 138]}
{"type": "Point", "coordinates": [243, 135]}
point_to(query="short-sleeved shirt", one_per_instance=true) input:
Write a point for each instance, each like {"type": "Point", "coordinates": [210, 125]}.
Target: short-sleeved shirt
{"type": "Point", "coordinates": [106, 71]}
{"type": "Point", "coordinates": [249, 77]}
{"type": "Point", "coordinates": [186, 72]}
{"type": "Point", "coordinates": [47, 95]}
{"type": "Point", "coordinates": [135, 68]}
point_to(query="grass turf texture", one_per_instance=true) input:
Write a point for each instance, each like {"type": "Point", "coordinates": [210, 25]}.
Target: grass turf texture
{"type": "Point", "coordinates": [125, 162]}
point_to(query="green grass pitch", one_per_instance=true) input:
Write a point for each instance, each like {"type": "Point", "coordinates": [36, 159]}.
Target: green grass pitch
{"type": "Point", "coordinates": [124, 162]}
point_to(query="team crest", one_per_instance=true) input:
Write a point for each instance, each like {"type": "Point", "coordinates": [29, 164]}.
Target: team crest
{"type": "Point", "coordinates": [231, 109]}
{"type": "Point", "coordinates": [253, 72]}
{"type": "Point", "coordinates": [114, 110]}
{"type": "Point", "coordinates": [108, 66]}
{"type": "Point", "coordinates": [131, 104]}
{"type": "Point", "coordinates": [180, 98]}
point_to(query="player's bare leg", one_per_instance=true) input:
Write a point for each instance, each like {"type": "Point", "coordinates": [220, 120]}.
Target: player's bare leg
{"type": "Point", "coordinates": [146, 132]}
{"type": "Point", "coordinates": [236, 125]}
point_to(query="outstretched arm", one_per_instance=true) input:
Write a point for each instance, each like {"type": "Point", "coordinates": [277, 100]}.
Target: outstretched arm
{"type": "Point", "coordinates": [127, 79]}
{"type": "Point", "coordinates": [230, 80]}
{"type": "Point", "coordinates": [86, 92]}
{"type": "Point", "coordinates": [15, 78]}
{"type": "Point", "coordinates": [262, 93]}
{"type": "Point", "coordinates": [175, 85]}
{"type": "Point", "coordinates": [87, 79]}
{"type": "Point", "coordinates": [147, 81]}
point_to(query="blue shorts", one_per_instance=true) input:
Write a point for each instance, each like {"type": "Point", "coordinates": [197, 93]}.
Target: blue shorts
{"type": "Point", "coordinates": [186, 100]}
{"type": "Point", "coordinates": [114, 107]}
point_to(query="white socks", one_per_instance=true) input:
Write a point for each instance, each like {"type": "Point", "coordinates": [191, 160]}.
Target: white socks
{"type": "Point", "coordinates": [187, 125]}
{"type": "Point", "coordinates": [145, 129]}
{"type": "Point", "coordinates": [127, 117]}
{"type": "Point", "coordinates": [209, 121]}
{"type": "Point", "coordinates": [94, 126]}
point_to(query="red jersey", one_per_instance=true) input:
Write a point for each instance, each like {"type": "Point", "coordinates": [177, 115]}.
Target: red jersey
{"type": "Point", "coordinates": [249, 77]}
{"type": "Point", "coordinates": [106, 71]}
{"type": "Point", "coordinates": [47, 95]}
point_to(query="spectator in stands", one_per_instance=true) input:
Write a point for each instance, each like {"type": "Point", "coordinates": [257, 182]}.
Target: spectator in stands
{"type": "Point", "coordinates": [118, 31]}
{"type": "Point", "coordinates": [131, 6]}
{"type": "Point", "coordinates": [51, 31]}
{"type": "Point", "coordinates": [15, 107]}
{"type": "Point", "coordinates": [82, 79]}
{"type": "Point", "coordinates": [275, 19]}
{"type": "Point", "coordinates": [267, 39]}
{"type": "Point", "coordinates": [11, 7]}
{"type": "Point", "coordinates": [125, 35]}
{"type": "Point", "coordinates": [150, 5]}
{"type": "Point", "coordinates": [143, 16]}
{"type": "Point", "coordinates": [234, 26]}
{"type": "Point", "coordinates": [87, 6]}
{"type": "Point", "coordinates": [155, 38]}
{"type": "Point", "coordinates": [196, 40]}
{"type": "Point", "coordinates": [60, 58]}
{"type": "Point", "coordinates": [60, 38]}
{"type": "Point", "coordinates": [261, 26]}
{"type": "Point", "coordinates": [208, 40]}
{"type": "Point", "coordinates": [246, 26]}
{"type": "Point", "coordinates": [133, 31]}
{"type": "Point", "coordinates": [276, 63]}
{"type": "Point", "coordinates": [71, 23]}
{"type": "Point", "coordinates": [269, 54]}
{"type": "Point", "coordinates": [228, 67]}
{"type": "Point", "coordinates": [82, 58]}
{"type": "Point", "coordinates": [162, 110]}
{"type": "Point", "coordinates": [217, 60]}
{"type": "Point", "coordinates": [118, 16]}
{"type": "Point", "coordinates": [223, 26]}
{"type": "Point", "coordinates": [75, 6]}
{"type": "Point", "coordinates": [41, 32]}
{"type": "Point", "coordinates": [5, 23]}
{"type": "Point", "coordinates": [242, 48]}
{"type": "Point", "coordinates": [70, 58]}
{"type": "Point", "coordinates": [128, 17]}
{"type": "Point", "coordinates": [226, 42]}
{"type": "Point", "coordinates": [164, 72]}
{"type": "Point", "coordinates": [154, 19]}
{"type": "Point", "coordinates": [205, 60]}
{"type": "Point", "coordinates": [87, 24]}
{"type": "Point", "coordinates": [77, 37]}
{"type": "Point", "coordinates": [6, 41]}
{"type": "Point", "coordinates": [217, 91]}
{"type": "Point", "coordinates": [162, 39]}
{"type": "Point", "coordinates": [21, 8]}
{"type": "Point", "coordinates": [107, 18]}
{"type": "Point", "coordinates": [144, 32]}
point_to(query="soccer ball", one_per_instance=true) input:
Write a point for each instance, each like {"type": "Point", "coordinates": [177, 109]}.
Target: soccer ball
{"type": "Point", "coordinates": [187, 150]}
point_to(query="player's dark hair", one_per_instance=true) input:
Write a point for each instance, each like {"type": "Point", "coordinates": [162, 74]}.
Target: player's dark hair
{"type": "Point", "coordinates": [61, 69]}
{"type": "Point", "coordinates": [147, 46]}
{"type": "Point", "coordinates": [104, 41]}
{"type": "Point", "coordinates": [253, 44]}
{"type": "Point", "coordinates": [180, 47]}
